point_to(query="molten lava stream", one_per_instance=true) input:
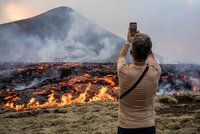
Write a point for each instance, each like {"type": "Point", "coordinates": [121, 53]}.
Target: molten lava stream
{"type": "Point", "coordinates": [90, 94]}
{"type": "Point", "coordinates": [65, 99]}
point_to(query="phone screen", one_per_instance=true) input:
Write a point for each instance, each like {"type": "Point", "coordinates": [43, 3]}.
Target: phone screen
{"type": "Point", "coordinates": [133, 26]}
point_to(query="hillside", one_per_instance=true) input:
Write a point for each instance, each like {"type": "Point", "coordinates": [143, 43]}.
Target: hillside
{"type": "Point", "coordinates": [60, 34]}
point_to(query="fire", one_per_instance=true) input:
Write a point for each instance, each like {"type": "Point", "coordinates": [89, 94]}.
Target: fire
{"type": "Point", "coordinates": [88, 93]}
{"type": "Point", "coordinates": [196, 84]}
{"type": "Point", "coordinates": [72, 83]}
{"type": "Point", "coordinates": [102, 95]}
{"type": "Point", "coordinates": [10, 103]}
{"type": "Point", "coordinates": [86, 75]}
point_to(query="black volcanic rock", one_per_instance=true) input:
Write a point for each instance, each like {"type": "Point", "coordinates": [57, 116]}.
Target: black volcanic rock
{"type": "Point", "coordinates": [60, 34]}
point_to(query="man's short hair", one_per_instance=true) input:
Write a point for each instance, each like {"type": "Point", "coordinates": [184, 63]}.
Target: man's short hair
{"type": "Point", "coordinates": [141, 46]}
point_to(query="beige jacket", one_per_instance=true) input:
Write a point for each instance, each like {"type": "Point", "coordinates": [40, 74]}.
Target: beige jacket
{"type": "Point", "coordinates": [136, 109]}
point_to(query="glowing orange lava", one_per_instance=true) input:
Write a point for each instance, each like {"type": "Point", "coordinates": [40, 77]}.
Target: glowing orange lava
{"type": "Point", "coordinates": [195, 84]}
{"type": "Point", "coordinates": [68, 98]}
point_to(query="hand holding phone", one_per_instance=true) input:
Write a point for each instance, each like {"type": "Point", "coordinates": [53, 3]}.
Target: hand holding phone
{"type": "Point", "coordinates": [133, 28]}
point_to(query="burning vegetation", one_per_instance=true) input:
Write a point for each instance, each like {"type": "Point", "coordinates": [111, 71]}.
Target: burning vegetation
{"type": "Point", "coordinates": [26, 86]}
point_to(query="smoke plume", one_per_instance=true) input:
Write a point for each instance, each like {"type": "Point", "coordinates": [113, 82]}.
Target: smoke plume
{"type": "Point", "coordinates": [57, 35]}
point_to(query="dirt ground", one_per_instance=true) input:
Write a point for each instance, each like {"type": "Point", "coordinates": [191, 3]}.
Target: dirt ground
{"type": "Point", "coordinates": [174, 115]}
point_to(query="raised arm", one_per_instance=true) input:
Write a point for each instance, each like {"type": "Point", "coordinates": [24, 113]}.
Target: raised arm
{"type": "Point", "coordinates": [123, 52]}
{"type": "Point", "coordinates": [124, 49]}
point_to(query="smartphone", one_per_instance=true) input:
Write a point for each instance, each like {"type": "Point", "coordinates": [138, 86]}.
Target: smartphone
{"type": "Point", "coordinates": [133, 28]}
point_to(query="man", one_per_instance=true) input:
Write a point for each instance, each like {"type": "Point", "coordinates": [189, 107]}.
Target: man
{"type": "Point", "coordinates": [136, 112]}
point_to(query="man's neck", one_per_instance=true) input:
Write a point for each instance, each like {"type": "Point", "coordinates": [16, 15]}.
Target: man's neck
{"type": "Point", "coordinates": [139, 63]}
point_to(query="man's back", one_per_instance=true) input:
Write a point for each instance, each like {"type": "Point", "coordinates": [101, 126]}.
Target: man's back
{"type": "Point", "coordinates": [136, 112]}
{"type": "Point", "coordinates": [136, 109]}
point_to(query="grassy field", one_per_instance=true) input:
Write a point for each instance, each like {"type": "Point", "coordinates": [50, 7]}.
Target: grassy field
{"type": "Point", "coordinates": [175, 114]}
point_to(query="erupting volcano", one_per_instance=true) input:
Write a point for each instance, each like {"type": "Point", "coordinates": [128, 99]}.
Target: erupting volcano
{"type": "Point", "coordinates": [60, 34]}
{"type": "Point", "coordinates": [60, 62]}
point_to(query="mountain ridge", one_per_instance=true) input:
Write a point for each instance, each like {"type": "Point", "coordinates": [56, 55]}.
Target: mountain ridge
{"type": "Point", "coordinates": [61, 26]}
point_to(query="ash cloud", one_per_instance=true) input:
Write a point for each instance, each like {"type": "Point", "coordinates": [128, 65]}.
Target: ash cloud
{"type": "Point", "coordinates": [172, 25]}
{"type": "Point", "coordinates": [57, 35]}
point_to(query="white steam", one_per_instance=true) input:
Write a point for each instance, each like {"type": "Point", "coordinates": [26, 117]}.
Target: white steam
{"type": "Point", "coordinates": [85, 42]}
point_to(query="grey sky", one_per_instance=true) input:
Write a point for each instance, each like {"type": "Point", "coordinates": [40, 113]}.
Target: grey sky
{"type": "Point", "coordinates": [172, 24]}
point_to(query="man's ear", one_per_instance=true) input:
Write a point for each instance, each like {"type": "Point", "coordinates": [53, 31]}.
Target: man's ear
{"type": "Point", "coordinates": [150, 52]}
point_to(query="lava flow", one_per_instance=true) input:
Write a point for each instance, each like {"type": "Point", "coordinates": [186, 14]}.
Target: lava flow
{"type": "Point", "coordinates": [66, 88]}
{"type": "Point", "coordinates": [25, 86]}
{"type": "Point", "coordinates": [81, 94]}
